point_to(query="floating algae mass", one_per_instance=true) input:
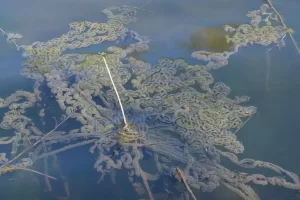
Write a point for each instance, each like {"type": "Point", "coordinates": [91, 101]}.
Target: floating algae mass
{"type": "Point", "coordinates": [175, 110]}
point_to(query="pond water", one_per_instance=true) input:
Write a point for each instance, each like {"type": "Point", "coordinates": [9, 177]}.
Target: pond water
{"type": "Point", "coordinates": [175, 30]}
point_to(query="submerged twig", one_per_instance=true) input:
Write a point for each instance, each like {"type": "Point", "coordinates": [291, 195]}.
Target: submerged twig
{"type": "Point", "coordinates": [182, 178]}
{"type": "Point", "coordinates": [3, 32]}
{"type": "Point", "coordinates": [243, 124]}
{"type": "Point", "coordinates": [9, 169]}
{"type": "Point", "coordinates": [47, 182]}
{"type": "Point", "coordinates": [115, 151]}
{"type": "Point", "coordinates": [284, 25]}
{"type": "Point", "coordinates": [146, 185]}
{"type": "Point", "coordinates": [115, 88]}
{"type": "Point", "coordinates": [142, 7]}
{"type": "Point", "coordinates": [31, 170]}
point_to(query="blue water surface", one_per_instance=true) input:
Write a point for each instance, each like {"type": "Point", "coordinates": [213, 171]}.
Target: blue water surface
{"type": "Point", "coordinates": [272, 134]}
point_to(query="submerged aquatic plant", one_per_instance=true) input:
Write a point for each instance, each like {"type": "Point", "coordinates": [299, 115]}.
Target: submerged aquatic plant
{"type": "Point", "coordinates": [172, 109]}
